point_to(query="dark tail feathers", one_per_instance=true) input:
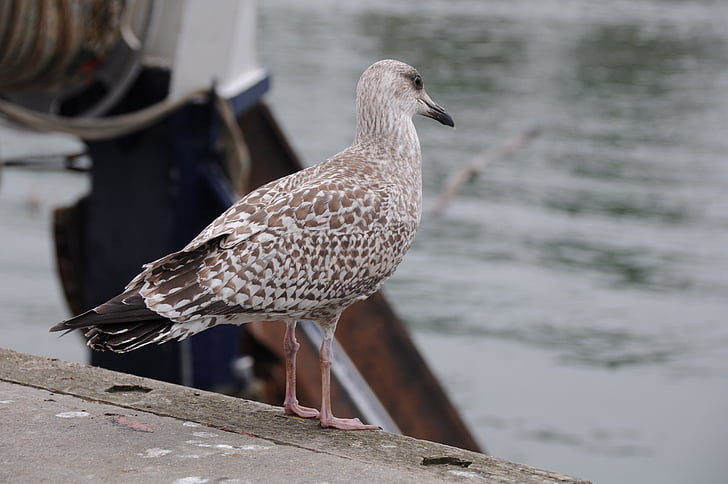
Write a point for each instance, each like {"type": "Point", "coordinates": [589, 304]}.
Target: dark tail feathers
{"type": "Point", "coordinates": [121, 324]}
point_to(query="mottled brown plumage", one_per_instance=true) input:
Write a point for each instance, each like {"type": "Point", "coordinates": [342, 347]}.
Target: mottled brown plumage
{"type": "Point", "coordinates": [303, 247]}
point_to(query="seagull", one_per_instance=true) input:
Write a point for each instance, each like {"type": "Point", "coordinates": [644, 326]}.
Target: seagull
{"type": "Point", "coordinates": [300, 248]}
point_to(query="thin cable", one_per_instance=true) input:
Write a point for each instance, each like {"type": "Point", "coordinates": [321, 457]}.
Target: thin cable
{"type": "Point", "coordinates": [98, 128]}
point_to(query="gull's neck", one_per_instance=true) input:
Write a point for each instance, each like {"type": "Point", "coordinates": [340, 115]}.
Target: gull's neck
{"type": "Point", "coordinates": [393, 145]}
{"type": "Point", "coordinates": [391, 134]}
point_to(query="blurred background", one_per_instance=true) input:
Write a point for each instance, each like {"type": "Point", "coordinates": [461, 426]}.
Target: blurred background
{"type": "Point", "coordinates": [573, 299]}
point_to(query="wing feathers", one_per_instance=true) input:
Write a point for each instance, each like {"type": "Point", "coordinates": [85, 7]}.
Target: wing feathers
{"type": "Point", "coordinates": [286, 249]}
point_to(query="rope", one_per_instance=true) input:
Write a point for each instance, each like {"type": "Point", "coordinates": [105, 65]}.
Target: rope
{"type": "Point", "coordinates": [57, 44]}
{"type": "Point", "coordinates": [97, 128]}
{"type": "Point", "coordinates": [237, 157]}
{"type": "Point", "coordinates": [52, 44]}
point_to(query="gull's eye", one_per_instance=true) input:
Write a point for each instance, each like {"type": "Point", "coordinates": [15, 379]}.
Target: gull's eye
{"type": "Point", "coordinates": [417, 81]}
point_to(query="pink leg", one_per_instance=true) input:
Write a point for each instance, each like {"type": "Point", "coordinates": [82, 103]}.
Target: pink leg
{"type": "Point", "coordinates": [290, 348]}
{"type": "Point", "coordinates": [327, 418]}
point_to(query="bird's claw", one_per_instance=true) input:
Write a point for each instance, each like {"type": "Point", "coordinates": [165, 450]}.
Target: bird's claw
{"type": "Point", "coordinates": [347, 424]}
{"type": "Point", "coordinates": [296, 409]}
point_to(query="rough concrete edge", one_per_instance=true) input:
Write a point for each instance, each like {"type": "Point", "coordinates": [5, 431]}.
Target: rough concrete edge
{"type": "Point", "coordinates": [264, 421]}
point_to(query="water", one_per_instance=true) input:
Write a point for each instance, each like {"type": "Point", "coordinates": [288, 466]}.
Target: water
{"type": "Point", "coordinates": [30, 292]}
{"type": "Point", "coordinates": [573, 298]}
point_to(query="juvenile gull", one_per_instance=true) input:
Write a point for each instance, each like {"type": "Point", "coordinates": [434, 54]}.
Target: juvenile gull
{"type": "Point", "coordinates": [303, 247]}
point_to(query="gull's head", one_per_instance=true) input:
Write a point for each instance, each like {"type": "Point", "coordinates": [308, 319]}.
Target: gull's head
{"type": "Point", "coordinates": [391, 89]}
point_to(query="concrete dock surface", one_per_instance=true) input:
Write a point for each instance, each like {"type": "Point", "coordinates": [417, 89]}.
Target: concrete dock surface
{"type": "Point", "coordinates": [65, 422]}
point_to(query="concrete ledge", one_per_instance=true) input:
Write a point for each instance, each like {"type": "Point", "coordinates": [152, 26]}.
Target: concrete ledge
{"type": "Point", "coordinates": [75, 423]}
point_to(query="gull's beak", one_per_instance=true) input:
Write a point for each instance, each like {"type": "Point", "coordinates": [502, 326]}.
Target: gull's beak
{"type": "Point", "coordinates": [433, 110]}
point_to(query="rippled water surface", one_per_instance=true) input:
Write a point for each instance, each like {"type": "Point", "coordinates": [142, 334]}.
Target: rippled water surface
{"type": "Point", "coordinates": [573, 298]}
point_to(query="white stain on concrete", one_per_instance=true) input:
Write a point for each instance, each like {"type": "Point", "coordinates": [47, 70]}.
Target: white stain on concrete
{"type": "Point", "coordinates": [467, 474]}
{"type": "Point", "coordinates": [154, 452]}
{"type": "Point", "coordinates": [253, 447]}
{"type": "Point", "coordinates": [202, 480]}
{"type": "Point", "coordinates": [190, 480]}
{"type": "Point", "coordinates": [6, 401]}
{"type": "Point", "coordinates": [222, 446]}
{"type": "Point", "coordinates": [191, 424]}
{"type": "Point", "coordinates": [204, 435]}
{"type": "Point", "coordinates": [228, 447]}
{"type": "Point", "coordinates": [72, 414]}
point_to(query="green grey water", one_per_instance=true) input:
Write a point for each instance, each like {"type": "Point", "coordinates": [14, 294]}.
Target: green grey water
{"type": "Point", "coordinates": [573, 298]}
